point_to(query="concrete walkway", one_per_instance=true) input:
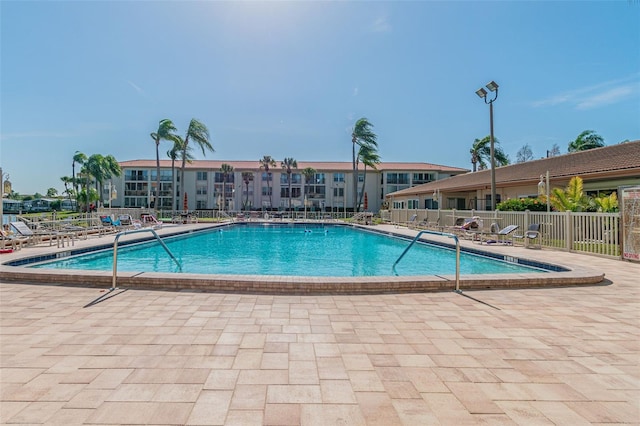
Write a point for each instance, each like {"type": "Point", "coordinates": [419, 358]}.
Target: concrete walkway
{"type": "Point", "coordinates": [565, 356]}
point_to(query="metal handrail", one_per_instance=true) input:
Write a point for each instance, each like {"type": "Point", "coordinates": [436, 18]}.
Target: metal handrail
{"type": "Point", "coordinates": [135, 231]}
{"type": "Point", "coordinates": [445, 234]}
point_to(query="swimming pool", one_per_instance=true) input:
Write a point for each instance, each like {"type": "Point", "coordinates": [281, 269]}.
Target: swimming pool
{"type": "Point", "coordinates": [289, 250]}
{"type": "Point", "coordinates": [16, 267]}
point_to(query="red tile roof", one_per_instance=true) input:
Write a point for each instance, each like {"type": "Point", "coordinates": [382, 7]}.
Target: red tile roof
{"type": "Point", "coordinates": [318, 165]}
{"type": "Point", "coordinates": [621, 160]}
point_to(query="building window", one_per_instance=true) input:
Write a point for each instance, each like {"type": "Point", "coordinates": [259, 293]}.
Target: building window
{"type": "Point", "coordinates": [399, 205]}
{"type": "Point", "coordinates": [266, 191]}
{"type": "Point", "coordinates": [136, 175]}
{"type": "Point", "coordinates": [295, 179]}
{"type": "Point", "coordinates": [419, 178]}
{"type": "Point", "coordinates": [201, 204]}
{"type": "Point", "coordinates": [338, 192]}
{"type": "Point", "coordinates": [201, 175]}
{"type": "Point", "coordinates": [201, 190]}
{"type": "Point", "coordinates": [398, 178]}
{"type": "Point", "coordinates": [413, 204]}
{"type": "Point", "coordinates": [360, 177]}
{"type": "Point", "coordinates": [295, 192]}
{"type": "Point", "coordinates": [338, 177]}
{"type": "Point", "coordinates": [267, 176]}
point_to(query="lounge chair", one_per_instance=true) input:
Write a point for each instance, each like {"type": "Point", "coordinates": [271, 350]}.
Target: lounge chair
{"type": "Point", "coordinates": [495, 235]}
{"type": "Point", "coordinates": [470, 228]}
{"type": "Point", "coordinates": [531, 234]}
{"type": "Point", "coordinates": [413, 221]}
{"type": "Point", "coordinates": [11, 240]}
{"type": "Point", "coordinates": [150, 220]}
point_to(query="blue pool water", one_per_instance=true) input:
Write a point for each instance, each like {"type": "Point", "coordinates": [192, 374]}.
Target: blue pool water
{"type": "Point", "coordinates": [288, 250]}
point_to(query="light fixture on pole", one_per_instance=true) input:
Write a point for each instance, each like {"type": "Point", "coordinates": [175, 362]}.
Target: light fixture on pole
{"type": "Point", "coordinates": [543, 189]}
{"type": "Point", "coordinates": [113, 194]}
{"type": "Point", "coordinates": [493, 87]}
{"type": "Point", "coordinates": [436, 197]}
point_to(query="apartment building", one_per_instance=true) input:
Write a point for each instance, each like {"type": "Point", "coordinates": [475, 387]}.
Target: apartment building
{"type": "Point", "coordinates": [249, 187]}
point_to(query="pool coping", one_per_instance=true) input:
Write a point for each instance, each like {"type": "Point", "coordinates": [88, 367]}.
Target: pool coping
{"type": "Point", "coordinates": [12, 270]}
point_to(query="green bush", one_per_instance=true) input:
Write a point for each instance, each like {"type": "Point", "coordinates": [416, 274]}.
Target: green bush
{"type": "Point", "coordinates": [522, 204]}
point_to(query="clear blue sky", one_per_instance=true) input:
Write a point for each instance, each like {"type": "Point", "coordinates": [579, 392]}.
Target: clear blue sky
{"type": "Point", "coordinates": [288, 79]}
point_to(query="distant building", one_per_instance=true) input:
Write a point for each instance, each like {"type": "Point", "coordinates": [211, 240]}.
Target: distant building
{"type": "Point", "coordinates": [602, 170]}
{"type": "Point", "coordinates": [330, 188]}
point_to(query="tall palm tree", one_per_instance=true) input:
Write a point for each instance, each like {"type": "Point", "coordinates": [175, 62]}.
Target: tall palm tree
{"type": "Point", "coordinates": [247, 177]}
{"type": "Point", "coordinates": [266, 163]}
{"type": "Point", "coordinates": [79, 158]}
{"type": "Point", "coordinates": [586, 140]}
{"type": "Point", "coordinates": [165, 131]}
{"type": "Point", "coordinates": [67, 180]}
{"type": "Point", "coordinates": [287, 165]}
{"type": "Point", "coordinates": [361, 135]}
{"type": "Point", "coordinates": [227, 169]}
{"type": "Point", "coordinates": [101, 168]}
{"type": "Point", "coordinates": [199, 133]}
{"type": "Point", "coordinates": [369, 157]}
{"type": "Point", "coordinates": [308, 173]}
{"type": "Point", "coordinates": [174, 154]}
{"type": "Point", "coordinates": [481, 153]}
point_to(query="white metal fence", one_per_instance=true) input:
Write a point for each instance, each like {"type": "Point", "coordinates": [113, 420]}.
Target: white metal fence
{"type": "Point", "coordinates": [595, 233]}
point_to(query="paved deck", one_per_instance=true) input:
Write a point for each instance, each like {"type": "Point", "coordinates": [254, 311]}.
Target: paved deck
{"type": "Point", "coordinates": [565, 356]}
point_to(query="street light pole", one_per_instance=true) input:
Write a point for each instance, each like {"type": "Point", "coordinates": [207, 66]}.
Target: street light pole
{"type": "Point", "coordinates": [493, 87]}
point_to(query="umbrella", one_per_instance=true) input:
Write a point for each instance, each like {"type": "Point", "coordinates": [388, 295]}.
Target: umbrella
{"type": "Point", "coordinates": [185, 206]}
{"type": "Point", "coordinates": [366, 201]}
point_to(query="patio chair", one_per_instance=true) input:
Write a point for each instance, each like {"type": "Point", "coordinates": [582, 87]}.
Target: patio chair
{"type": "Point", "coordinates": [9, 239]}
{"type": "Point", "coordinates": [531, 234]}
{"type": "Point", "coordinates": [495, 235]}
{"type": "Point", "coordinates": [413, 221]}
{"type": "Point", "coordinates": [471, 228]}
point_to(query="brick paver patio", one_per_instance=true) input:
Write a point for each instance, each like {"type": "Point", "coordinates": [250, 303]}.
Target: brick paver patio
{"type": "Point", "coordinates": [564, 356]}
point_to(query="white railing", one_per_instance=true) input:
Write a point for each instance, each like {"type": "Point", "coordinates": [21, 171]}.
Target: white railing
{"type": "Point", "coordinates": [595, 233]}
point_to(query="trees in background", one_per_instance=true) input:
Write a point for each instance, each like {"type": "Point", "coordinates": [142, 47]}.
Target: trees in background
{"type": "Point", "coordinates": [524, 154]}
{"type": "Point", "coordinates": [481, 153]}
{"type": "Point", "coordinates": [266, 163]}
{"type": "Point", "coordinates": [362, 135]}
{"type": "Point", "coordinates": [308, 173]}
{"type": "Point", "coordinates": [199, 134]}
{"type": "Point", "coordinates": [166, 131]}
{"type": "Point", "coordinates": [247, 178]}
{"type": "Point", "coordinates": [226, 169]}
{"type": "Point", "coordinates": [288, 164]}
{"type": "Point", "coordinates": [586, 140]}
{"type": "Point", "coordinates": [369, 157]}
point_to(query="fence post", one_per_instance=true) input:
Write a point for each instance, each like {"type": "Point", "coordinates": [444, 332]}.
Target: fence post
{"type": "Point", "coordinates": [568, 234]}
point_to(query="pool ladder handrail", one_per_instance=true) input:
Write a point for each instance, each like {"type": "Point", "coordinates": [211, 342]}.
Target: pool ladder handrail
{"type": "Point", "coordinates": [445, 234]}
{"type": "Point", "coordinates": [135, 231]}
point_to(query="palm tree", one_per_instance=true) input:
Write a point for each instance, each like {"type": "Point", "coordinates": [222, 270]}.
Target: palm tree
{"type": "Point", "coordinates": [361, 135]}
{"type": "Point", "coordinates": [586, 140]}
{"type": "Point", "coordinates": [247, 177]}
{"type": "Point", "coordinates": [199, 133]}
{"type": "Point", "coordinates": [226, 169]}
{"type": "Point", "coordinates": [369, 156]}
{"type": "Point", "coordinates": [79, 158]}
{"type": "Point", "coordinates": [67, 180]}
{"type": "Point", "coordinates": [265, 164]}
{"type": "Point", "coordinates": [308, 173]}
{"type": "Point", "coordinates": [166, 130]}
{"type": "Point", "coordinates": [174, 154]}
{"type": "Point", "coordinates": [481, 153]}
{"type": "Point", "coordinates": [101, 168]}
{"type": "Point", "coordinates": [287, 165]}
